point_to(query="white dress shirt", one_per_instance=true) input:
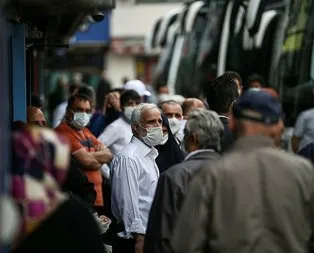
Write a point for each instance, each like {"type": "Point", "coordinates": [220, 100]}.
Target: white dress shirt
{"type": "Point", "coordinates": [58, 114]}
{"type": "Point", "coordinates": [134, 174]}
{"type": "Point", "coordinates": [117, 135]}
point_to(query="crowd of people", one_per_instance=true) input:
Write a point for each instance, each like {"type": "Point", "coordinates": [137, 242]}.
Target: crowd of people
{"type": "Point", "coordinates": [180, 175]}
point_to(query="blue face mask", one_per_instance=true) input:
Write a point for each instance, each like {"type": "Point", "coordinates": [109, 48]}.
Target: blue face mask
{"type": "Point", "coordinates": [81, 119]}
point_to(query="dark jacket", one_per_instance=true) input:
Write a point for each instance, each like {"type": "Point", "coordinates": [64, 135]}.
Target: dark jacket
{"type": "Point", "coordinates": [170, 153]}
{"type": "Point", "coordinates": [228, 137]}
{"type": "Point", "coordinates": [170, 193]}
{"type": "Point", "coordinates": [77, 183]}
{"type": "Point", "coordinates": [255, 199]}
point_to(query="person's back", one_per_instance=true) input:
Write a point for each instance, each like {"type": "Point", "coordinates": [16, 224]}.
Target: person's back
{"type": "Point", "coordinates": [276, 218]}
{"type": "Point", "coordinates": [257, 198]}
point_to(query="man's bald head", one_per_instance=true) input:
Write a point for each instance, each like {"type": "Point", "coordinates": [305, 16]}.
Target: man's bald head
{"type": "Point", "coordinates": [35, 116]}
{"type": "Point", "coordinates": [190, 104]}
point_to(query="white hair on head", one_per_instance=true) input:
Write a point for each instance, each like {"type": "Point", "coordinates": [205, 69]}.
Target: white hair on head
{"type": "Point", "coordinates": [207, 126]}
{"type": "Point", "coordinates": [138, 111]}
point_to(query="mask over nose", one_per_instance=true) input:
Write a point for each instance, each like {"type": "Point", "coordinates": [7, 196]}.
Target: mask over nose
{"type": "Point", "coordinates": [175, 125]}
{"type": "Point", "coordinates": [81, 119]}
{"type": "Point", "coordinates": [128, 110]}
{"type": "Point", "coordinates": [153, 137]}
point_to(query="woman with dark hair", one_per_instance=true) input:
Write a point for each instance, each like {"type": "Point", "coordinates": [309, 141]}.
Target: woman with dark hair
{"type": "Point", "coordinates": [169, 151]}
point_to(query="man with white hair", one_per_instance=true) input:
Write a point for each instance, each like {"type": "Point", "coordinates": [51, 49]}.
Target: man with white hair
{"type": "Point", "coordinates": [203, 133]}
{"type": "Point", "coordinates": [134, 178]}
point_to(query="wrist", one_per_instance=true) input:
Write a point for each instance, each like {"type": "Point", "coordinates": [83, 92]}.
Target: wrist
{"type": "Point", "coordinates": [138, 236]}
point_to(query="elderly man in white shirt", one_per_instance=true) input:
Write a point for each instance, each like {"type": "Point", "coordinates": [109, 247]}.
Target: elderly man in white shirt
{"type": "Point", "coordinates": [134, 178]}
{"type": "Point", "coordinates": [119, 133]}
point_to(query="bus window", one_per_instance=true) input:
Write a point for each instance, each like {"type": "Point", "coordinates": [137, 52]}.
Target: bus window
{"type": "Point", "coordinates": [295, 66]}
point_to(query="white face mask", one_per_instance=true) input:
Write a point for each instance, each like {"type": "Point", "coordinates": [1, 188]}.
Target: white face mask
{"type": "Point", "coordinates": [128, 110]}
{"type": "Point", "coordinates": [164, 139]}
{"type": "Point", "coordinates": [175, 125]}
{"type": "Point", "coordinates": [81, 119]}
{"type": "Point", "coordinates": [153, 137]}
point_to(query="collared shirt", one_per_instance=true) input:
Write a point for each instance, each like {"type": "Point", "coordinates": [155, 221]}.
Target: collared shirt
{"type": "Point", "coordinates": [197, 152]}
{"type": "Point", "coordinates": [59, 113]}
{"type": "Point", "coordinates": [134, 181]}
{"type": "Point", "coordinates": [117, 135]}
{"type": "Point", "coordinates": [223, 116]}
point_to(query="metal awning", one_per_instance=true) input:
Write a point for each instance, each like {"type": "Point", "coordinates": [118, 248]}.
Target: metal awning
{"type": "Point", "coordinates": [57, 19]}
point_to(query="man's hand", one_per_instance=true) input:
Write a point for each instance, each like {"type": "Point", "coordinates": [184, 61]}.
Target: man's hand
{"type": "Point", "coordinates": [139, 243]}
{"type": "Point", "coordinates": [112, 100]}
{"type": "Point", "coordinates": [100, 147]}
{"type": "Point", "coordinates": [102, 154]}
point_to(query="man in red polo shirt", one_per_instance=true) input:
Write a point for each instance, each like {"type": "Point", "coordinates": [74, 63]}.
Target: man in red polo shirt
{"type": "Point", "coordinates": [85, 148]}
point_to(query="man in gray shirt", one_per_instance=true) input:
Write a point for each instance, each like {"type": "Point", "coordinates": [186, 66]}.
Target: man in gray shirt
{"type": "Point", "coordinates": [256, 198]}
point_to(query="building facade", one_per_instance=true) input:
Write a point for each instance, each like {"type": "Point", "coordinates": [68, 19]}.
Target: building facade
{"type": "Point", "coordinates": [131, 21]}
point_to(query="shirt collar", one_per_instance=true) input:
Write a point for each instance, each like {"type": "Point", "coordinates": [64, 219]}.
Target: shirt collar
{"type": "Point", "coordinates": [197, 152]}
{"type": "Point", "coordinates": [144, 149]}
{"type": "Point", "coordinates": [224, 116]}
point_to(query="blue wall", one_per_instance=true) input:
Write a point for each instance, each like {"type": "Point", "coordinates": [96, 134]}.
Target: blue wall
{"type": "Point", "coordinates": [96, 33]}
{"type": "Point", "coordinates": [19, 72]}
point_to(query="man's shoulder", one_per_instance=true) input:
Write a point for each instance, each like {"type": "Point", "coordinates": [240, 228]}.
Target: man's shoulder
{"type": "Point", "coordinates": [62, 106]}
{"type": "Point", "coordinates": [129, 151]}
{"type": "Point", "coordinates": [118, 124]}
{"type": "Point", "coordinates": [307, 113]}
{"type": "Point", "coordinates": [291, 158]}
{"type": "Point", "coordinates": [180, 170]}
{"type": "Point", "coordinates": [285, 160]}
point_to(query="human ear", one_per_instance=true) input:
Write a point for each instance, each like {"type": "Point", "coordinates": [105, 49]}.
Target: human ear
{"type": "Point", "coordinates": [231, 123]}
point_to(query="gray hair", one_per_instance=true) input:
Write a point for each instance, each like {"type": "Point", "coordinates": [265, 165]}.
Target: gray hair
{"type": "Point", "coordinates": [137, 113]}
{"type": "Point", "coordinates": [207, 126]}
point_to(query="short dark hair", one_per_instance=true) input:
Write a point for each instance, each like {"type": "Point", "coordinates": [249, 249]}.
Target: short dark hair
{"type": "Point", "coordinates": [37, 101]}
{"type": "Point", "coordinates": [80, 96]}
{"type": "Point", "coordinates": [128, 95]}
{"type": "Point", "coordinates": [168, 102]}
{"type": "Point", "coordinates": [256, 78]}
{"type": "Point", "coordinates": [86, 93]}
{"type": "Point", "coordinates": [73, 88]}
{"type": "Point", "coordinates": [221, 93]}
{"type": "Point", "coordinates": [234, 75]}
